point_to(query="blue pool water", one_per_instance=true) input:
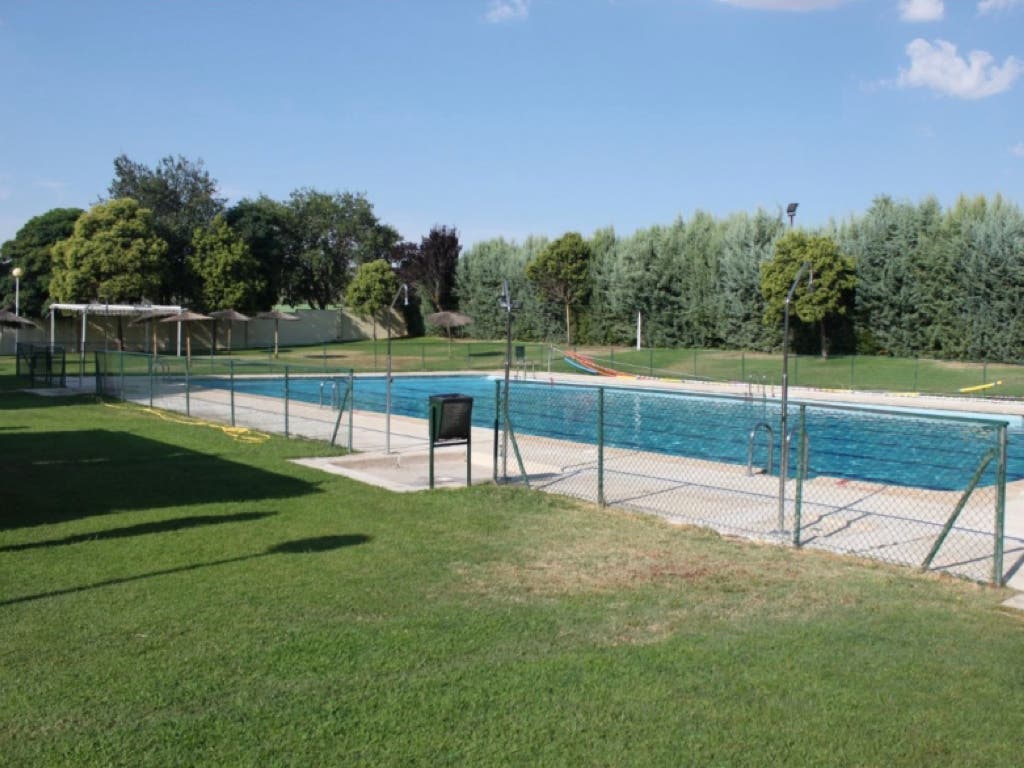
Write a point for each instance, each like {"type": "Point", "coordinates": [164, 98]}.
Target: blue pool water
{"type": "Point", "coordinates": [856, 444]}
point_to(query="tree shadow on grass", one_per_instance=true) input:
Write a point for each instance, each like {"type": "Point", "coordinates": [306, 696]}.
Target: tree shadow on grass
{"type": "Point", "coordinates": [142, 529]}
{"type": "Point", "coordinates": [301, 546]}
{"type": "Point", "coordinates": [50, 477]}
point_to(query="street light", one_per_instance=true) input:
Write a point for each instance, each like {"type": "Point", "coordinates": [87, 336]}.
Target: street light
{"type": "Point", "coordinates": [402, 289]}
{"type": "Point", "coordinates": [16, 273]}
{"type": "Point", "coordinates": [805, 269]}
{"type": "Point", "coordinates": [791, 212]}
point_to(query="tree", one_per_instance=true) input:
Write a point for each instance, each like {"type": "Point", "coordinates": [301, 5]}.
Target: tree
{"type": "Point", "coordinates": [372, 290]}
{"type": "Point", "coordinates": [266, 227]}
{"type": "Point", "coordinates": [31, 249]}
{"type": "Point", "coordinates": [561, 271]}
{"type": "Point", "coordinates": [112, 256]}
{"type": "Point", "coordinates": [431, 267]}
{"type": "Point", "coordinates": [229, 276]}
{"type": "Point", "coordinates": [332, 235]}
{"type": "Point", "coordinates": [830, 290]}
{"type": "Point", "coordinates": [182, 197]}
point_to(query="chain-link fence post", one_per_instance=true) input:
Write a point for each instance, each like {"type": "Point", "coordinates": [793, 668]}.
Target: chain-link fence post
{"type": "Point", "coordinates": [121, 364]}
{"type": "Point", "coordinates": [231, 389]}
{"type": "Point", "coordinates": [1000, 522]}
{"type": "Point", "coordinates": [600, 446]}
{"type": "Point", "coordinates": [801, 473]}
{"type": "Point", "coordinates": [152, 378]}
{"type": "Point", "coordinates": [497, 424]}
{"type": "Point", "coordinates": [188, 388]}
{"type": "Point", "coordinates": [286, 393]}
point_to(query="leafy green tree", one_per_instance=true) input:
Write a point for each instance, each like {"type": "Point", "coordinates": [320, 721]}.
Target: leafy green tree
{"type": "Point", "coordinates": [113, 256]}
{"type": "Point", "coordinates": [266, 227]}
{"type": "Point", "coordinates": [829, 292]}
{"type": "Point", "coordinates": [561, 271]}
{"type": "Point", "coordinates": [31, 249]}
{"type": "Point", "coordinates": [228, 274]}
{"type": "Point", "coordinates": [182, 197]}
{"type": "Point", "coordinates": [372, 290]}
{"type": "Point", "coordinates": [331, 236]}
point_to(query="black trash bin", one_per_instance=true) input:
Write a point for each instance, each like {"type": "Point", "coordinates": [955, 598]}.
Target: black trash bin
{"type": "Point", "coordinates": [451, 423]}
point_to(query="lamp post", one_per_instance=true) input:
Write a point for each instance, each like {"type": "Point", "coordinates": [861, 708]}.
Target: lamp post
{"type": "Point", "coordinates": [508, 306]}
{"type": "Point", "coordinates": [16, 273]}
{"type": "Point", "coordinates": [791, 212]}
{"type": "Point", "coordinates": [805, 269]}
{"type": "Point", "coordinates": [402, 289]}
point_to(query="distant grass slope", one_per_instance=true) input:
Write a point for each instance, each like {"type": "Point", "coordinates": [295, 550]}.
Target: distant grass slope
{"type": "Point", "coordinates": [172, 596]}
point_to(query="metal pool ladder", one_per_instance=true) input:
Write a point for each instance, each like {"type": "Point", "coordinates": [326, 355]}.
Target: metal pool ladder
{"type": "Point", "coordinates": [760, 427]}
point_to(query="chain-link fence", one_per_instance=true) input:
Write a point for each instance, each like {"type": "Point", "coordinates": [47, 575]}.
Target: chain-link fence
{"type": "Point", "coordinates": [913, 489]}
{"type": "Point", "coordinates": [910, 488]}
{"type": "Point", "coordinates": [299, 401]}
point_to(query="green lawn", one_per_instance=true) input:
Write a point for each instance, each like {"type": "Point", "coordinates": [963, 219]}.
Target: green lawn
{"type": "Point", "coordinates": [172, 596]}
{"type": "Point", "coordinates": [755, 368]}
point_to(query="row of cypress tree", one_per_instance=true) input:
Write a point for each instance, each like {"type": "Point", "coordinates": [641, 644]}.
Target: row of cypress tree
{"type": "Point", "coordinates": [930, 282]}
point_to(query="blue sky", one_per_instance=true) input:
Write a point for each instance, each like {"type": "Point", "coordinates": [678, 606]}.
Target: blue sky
{"type": "Point", "coordinates": [518, 117]}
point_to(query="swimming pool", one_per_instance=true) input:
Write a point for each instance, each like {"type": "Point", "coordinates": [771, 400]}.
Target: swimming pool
{"type": "Point", "coordinates": [848, 443]}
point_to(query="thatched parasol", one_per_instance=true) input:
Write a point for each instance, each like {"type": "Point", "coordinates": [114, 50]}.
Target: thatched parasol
{"type": "Point", "coordinates": [10, 320]}
{"type": "Point", "coordinates": [232, 316]}
{"type": "Point", "coordinates": [186, 317]}
{"type": "Point", "coordinates": [276, 316]}
{"type": "Point", "coordinates": [149, 317]}
{"type": "Point", "coordinates": [448, 320]}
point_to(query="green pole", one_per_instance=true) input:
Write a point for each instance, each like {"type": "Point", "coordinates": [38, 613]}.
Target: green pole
{"type": "Point", "coordinates": [434, 414]}
{"type": "Point", "coordinates": [801, 473]}
{"type": "Point", "coordinates": [600, 446]}
{"type": "Point", "coordinates": [121, 356]}
{"type": "Point", "coordinates": [497, 424]}
{"type": "Point", "coordinates": [286, 401]}
{"type": "Point", "coordinates": [188, 389]}
{"type": "Point", "coordinates": [151, 382]}
{"type": "Point", "coordinates": [650, 361]}
{"type": "Point", "coordinates": [916, 360]}
{"type": "Point", "coordinates": [231, 389]}
{"type": "Point", "coordinates": [853, 359]}
{"type": "Point", "coordinates": [351, 404]}
{"type": "Point", "coordinates": [695, 362]}
{"type": "Point", "coordinates": [997, 555]}
{"type": "Point", "coordinates": [743, 365]}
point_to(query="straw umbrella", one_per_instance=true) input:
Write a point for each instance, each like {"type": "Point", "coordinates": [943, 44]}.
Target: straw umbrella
{"type": "Point", "coordinates": [187, 317]}
{"type": "Point", "coordinates": [276, 316]}
{"type": "Point", "coordinates": [232, 316]}
{"type": "Point", "coordinates": [149, 317]}
{"type": "Point", "coordinates": [9, 319]}
{"type": "Point", "coordinates": [449, 320]}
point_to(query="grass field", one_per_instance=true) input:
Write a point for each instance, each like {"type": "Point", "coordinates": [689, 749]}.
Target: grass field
{"type": "Point", "coordinates": [756, 369]}
{"type": "Point", "coordinates": [170, 595]}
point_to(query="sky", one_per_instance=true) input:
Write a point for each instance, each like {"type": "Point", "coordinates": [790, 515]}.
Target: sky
{"type": "Point", "coordinates": [511, 118]}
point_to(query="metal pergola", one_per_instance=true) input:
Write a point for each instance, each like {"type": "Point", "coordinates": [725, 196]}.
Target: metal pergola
{"type": "Point", "coordinates": [110, 310]}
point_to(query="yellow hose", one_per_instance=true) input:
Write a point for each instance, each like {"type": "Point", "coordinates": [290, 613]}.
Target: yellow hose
{"type": "Point", "coordinates": [241, 434]}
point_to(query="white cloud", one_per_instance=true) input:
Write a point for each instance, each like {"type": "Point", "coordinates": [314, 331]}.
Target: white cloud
{"type": "Point", "coordinates": [786, 5]}
{"type": "Point", "coordinates": [1018, 150]}
{"type": "Point", "coordinates": [507, 10]}
{"type": "Point", "coordinates": [989, 6]}
{"type": "Point", "coordinates": [940, 68]}
{"type": "Point", "coordinates": [922, 10]}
